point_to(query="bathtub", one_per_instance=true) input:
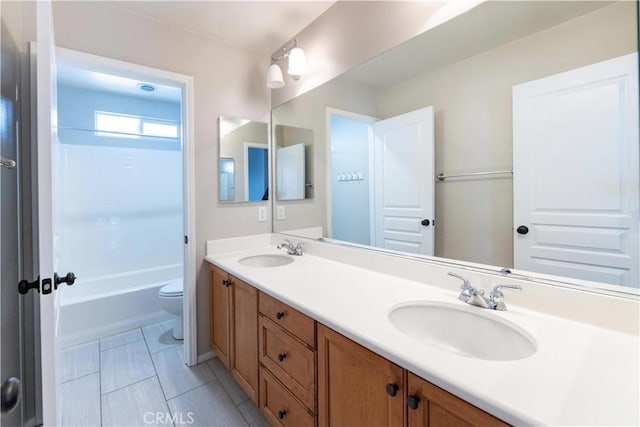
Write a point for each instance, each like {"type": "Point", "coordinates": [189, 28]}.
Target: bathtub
{"type": "Point", "coordinates": [103, 306]}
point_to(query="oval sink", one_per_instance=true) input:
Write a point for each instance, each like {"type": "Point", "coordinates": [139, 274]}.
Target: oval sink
{"type": "Point", "coordinates": [463, 330]}
{"type": "Point", "coordinates": [266, 260]}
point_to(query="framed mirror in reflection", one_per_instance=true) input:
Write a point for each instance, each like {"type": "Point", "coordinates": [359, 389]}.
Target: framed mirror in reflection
{"type": "Point", "coordinates": [243, 162]}
{"type": "Point", "coordinates": [507, 137]}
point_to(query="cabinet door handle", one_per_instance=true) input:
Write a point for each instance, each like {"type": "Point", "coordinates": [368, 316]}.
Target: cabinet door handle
{"type": "Point", "coordinates": [392, 389]}
{"type": "Point", "coordinates": [282, 413]}
{"type": "Point", "coordinates": [226, 283]}
{"type": "Point", "coordinates": [279, 315]}
{"type": "Point", "coordinates": [413, 401]}
{"type": "Point", "coordinates": [281, 357]}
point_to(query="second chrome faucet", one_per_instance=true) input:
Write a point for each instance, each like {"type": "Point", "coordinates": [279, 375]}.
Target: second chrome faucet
{"type": "Point", "coordinates": [471, 295]}
{"type": "Point", "coordinates": [291, 248]}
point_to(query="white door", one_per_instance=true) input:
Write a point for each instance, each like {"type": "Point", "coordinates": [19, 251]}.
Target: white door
{"type": "Point", "coordinates": [575, 158]}
{"type": "Point", "coordinates": [290, 172]}
{"type": "Point", "coordinates": [46, 118]}
{"type": "Point", "coordinates": [404, 182]}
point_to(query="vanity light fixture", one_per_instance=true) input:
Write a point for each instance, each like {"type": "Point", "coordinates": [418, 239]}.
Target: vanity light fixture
{"type": "Point", "coordinates": [274, 77]}
{"type": "Point", "coordinates": [297, 66]}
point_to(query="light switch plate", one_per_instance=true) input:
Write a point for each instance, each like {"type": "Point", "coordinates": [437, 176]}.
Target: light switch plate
{"type": "Point", "coordinates": [280, 215]}
{"type": "Point", "coordinates": [262, 214]}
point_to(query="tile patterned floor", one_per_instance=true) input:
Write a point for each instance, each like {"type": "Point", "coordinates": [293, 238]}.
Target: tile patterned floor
{"type": "Point", "coordinates": [138, 378]}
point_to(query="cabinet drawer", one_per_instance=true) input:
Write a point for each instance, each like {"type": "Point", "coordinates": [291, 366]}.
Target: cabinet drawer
{"type": "Point", "coordinates": [289, 360]}
{"type": "Point", "coordinates": [292, 320]}
{"type": "Point", "coordinates": [279, 406]}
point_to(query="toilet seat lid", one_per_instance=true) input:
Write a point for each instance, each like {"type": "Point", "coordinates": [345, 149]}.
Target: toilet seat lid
{"type": "Point", "coordinates": [173, 289]}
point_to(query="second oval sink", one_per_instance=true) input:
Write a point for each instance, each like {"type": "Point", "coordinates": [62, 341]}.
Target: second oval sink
{"type": "Point", "coordinates": [266, 260]}
{"type": "Point", "coordinates": [463, 330]}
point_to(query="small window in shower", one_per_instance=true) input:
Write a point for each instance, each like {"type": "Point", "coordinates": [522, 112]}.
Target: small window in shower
{"type": "Point", "coordinates": [129, 126]}
{"type": "Point", "coordinates": [118, 125]}
{"type": "Point", "coordinates": [161, 129]}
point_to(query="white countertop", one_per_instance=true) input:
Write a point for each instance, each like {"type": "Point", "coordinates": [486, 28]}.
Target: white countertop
{"type": "Point", "coordinates": [580, 374]}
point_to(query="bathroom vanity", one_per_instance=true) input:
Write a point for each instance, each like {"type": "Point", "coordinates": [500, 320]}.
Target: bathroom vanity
{"type": "Point", "coordinates": [311, 375]}
{"type": "Point", "coordinates": [315, 342]}
{"type": "Point", "coordinates": [472, 125]}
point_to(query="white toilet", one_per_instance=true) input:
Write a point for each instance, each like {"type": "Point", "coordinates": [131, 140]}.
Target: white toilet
{"type": "Point", "coordinates": [171, 300]}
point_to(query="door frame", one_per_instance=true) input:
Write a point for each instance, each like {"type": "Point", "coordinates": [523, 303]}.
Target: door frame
{"type": "Point", "coordinates": [185, 82]}
{"type": "Point", "coordinates": [370, 120]}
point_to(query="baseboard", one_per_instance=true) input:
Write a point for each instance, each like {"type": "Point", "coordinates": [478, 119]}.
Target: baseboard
{"type": "Point", "coordinates": [113, 328]}
{"type": "Point", "coordinates": [206, 356]}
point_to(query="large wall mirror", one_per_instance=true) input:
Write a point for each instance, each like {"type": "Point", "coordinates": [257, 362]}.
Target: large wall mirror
{"type": "Point", "coordinates": [243, 162]}
{"type": "Point", "coordinates": [507, 136]}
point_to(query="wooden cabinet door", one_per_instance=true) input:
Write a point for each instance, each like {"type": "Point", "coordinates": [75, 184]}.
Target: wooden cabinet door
{"type": "Point", "coordinates": [244, 336]}
{"type": "Point", "coordinates": [431, 406]}
{"type": "Point", "coordinates": [219, 306]}
{"type": "Point", "coordinates": [353, 383]}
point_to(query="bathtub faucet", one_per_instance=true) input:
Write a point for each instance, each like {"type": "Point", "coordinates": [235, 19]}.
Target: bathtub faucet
{"type": "Point", "coordinates": [291, 249]}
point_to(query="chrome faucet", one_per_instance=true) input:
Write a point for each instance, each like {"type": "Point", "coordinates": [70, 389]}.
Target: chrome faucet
{"type": "Point", "coordinates": [469, 294]}
{"type": "Point", "coordinates": [291, 249]}
{"type": "Point", "coordinates": [496, 297]}
{"type": "Point", "coordinates": [473, 296]}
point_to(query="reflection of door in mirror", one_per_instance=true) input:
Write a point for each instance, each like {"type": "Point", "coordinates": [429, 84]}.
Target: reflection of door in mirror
{"type": "Point", "coordinates": [294, 166]}
{"type": "Point", "coordinates": [227, 174]}
{"type": "Point", "coordinates": [382, 185]}
{"type": "Point", "coordinates": [404, 182]}
{"type": "Point", "coordinates": [577, 133]}
{"type": "Point", "coordinates": [256, 171]}
{"type": "Point", "coordinates": [290, 172]}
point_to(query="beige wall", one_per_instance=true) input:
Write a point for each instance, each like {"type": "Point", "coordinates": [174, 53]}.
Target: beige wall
{"type": "Point", "coordinates": [228, 82]}
{"type": "Point", "coordinates": [472, 101]}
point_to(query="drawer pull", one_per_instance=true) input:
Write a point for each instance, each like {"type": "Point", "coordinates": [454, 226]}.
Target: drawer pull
{"type": "Point", "coordinates": [281, 357]}
{"type": "Point", "coordinates": [279, 315]}
{"type": "Point", "coordinates": [392, 389]}
{"type": "Point", "coordinates": [413, 401]}
{"type": "Point", "coordinates": [282, 413]}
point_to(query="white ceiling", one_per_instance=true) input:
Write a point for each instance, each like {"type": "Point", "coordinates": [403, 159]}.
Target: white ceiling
{"type": "Point", "coordinates": [71, 75]}
{"type": "Point", "coordinates": [259, 26]}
